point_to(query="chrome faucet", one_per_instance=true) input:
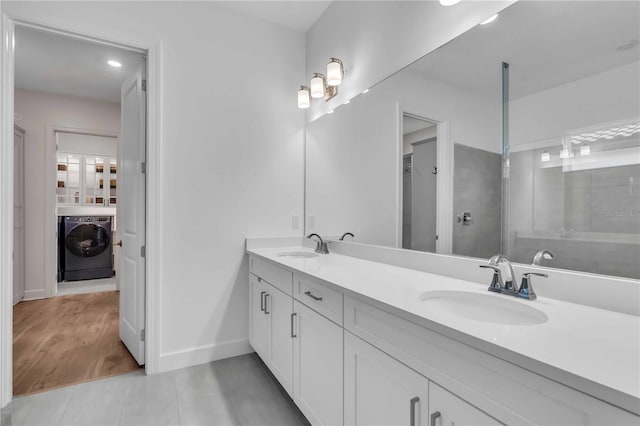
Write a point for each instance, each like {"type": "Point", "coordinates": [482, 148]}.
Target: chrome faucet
{"type": "Point", "coordinates": [345, 234]}
{"type": "Point", "coordinates": [540, 256]}
{"type": "Point", "coordinates": [508, 286]}
{"type": "Point", "coordinates": [321, 245]}
{"type": "Point", "coordinates": [509, 280]}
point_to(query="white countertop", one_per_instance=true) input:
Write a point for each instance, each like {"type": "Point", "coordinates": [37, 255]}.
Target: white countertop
{"type": "Point", "coordinates": [589, 349]}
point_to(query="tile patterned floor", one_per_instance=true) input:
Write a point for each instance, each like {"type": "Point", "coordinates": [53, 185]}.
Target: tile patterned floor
{"type": "Point", "coordinates": [234, 391]}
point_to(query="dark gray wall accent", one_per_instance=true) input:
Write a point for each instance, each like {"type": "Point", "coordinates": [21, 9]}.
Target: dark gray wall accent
{"type": "Point", "coordinates": [477, 185]}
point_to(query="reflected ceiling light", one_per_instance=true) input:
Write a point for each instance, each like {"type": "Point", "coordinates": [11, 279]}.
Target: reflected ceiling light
{"type": "Point", "coordinates": [114, 64]}
{"type": "Point", "coordinates": [585, 150]}
{"type": "Point", "coordinates": [304, 97]}
{"type": "Point", "coordinates": [335, 72]}
{"type": "Point", "coordinates": [366, 91]}
{"type": "Point", "coordinates": [545, 156]}
{"type": "Point", "coordinates": [489, 20]}
{"type": "Point", "coordinates": [449, 2]}
{"type": "Point", "coordinates": [347, 101]}
{"type": "Point", "coordinates": [565, 153]}
{"type": "Point", "coordinates": [330, 112]}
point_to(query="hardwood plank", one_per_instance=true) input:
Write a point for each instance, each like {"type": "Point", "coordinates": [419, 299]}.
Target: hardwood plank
{"type": "Point", "coordinates": [66, 340]}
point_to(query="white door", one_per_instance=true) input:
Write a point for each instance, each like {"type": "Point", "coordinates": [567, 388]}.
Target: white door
{"type": "Point", "coordinates": [18, 215]}
{"type": "Point", "coordinates": [380, 390]}
{"type": "Point", "coordinates": [130, 214]}
{"type": "Point", "coordinates": [257, 317]}
{"type": "Point", "coordinates": [279, 308]}
{"type": "Point", "coordinates": [317, 367]}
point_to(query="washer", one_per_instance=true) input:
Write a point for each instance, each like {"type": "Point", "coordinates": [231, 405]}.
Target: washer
{"type": "Point", "coordinates": [88, 252]}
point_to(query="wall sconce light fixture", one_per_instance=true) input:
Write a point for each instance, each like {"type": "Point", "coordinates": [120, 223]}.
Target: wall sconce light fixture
{"type": "Point", "coordinates": [545, 156]}
{"type": "Point", "coordinates": [321, 86]}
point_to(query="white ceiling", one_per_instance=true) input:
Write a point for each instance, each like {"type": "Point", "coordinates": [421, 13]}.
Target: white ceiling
{"type": "Point", "coordinates": [297, 15]}
{"type": "Point", "coordinates": [57, 64]}
{"type": "Point", "coordinates": [410, 124]}
{"type": "Point", "coordinates": [546, 43]}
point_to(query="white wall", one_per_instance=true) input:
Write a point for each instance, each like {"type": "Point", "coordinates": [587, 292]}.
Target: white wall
{"type": "Point", "coordinates": [377, 38]}
{"type": "Point", "coordinates": [232, 154]}
{"type": "Point", "coordinates": [353, 163]}
{"type": "Point", "coordinates": [37, 110]}
{"type": "Point", "coordinates": [417, 136]}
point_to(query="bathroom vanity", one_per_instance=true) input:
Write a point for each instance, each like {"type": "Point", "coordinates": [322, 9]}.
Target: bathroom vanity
{"type": "Point", "coordinates": [358, 342]}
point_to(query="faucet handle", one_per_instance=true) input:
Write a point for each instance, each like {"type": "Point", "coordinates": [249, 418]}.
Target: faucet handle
{"type": "Point", "coordinates": [496, 282]}
{"type": "Point", "coordinates": [526, 289]}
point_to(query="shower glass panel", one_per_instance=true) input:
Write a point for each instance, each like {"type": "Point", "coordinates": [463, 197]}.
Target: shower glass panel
{"type": "Point", "coordinates": [572, 157]}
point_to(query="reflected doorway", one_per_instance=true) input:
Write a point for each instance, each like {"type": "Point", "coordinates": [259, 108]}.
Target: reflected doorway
{"type": "Point", "coordinates": [419, 183]}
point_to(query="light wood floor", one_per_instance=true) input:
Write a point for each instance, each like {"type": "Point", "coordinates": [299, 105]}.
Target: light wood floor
{"type": "Point", "coordinates": [66, 340]}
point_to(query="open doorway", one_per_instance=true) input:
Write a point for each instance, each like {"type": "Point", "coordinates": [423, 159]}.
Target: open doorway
{"type": "Point", "coordinates": [419, 183]}
{"type": "Point", "coordinates": [78, 289]}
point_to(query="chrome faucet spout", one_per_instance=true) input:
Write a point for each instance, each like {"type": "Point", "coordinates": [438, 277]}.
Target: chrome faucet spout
{"type": "Point", "coordinates": [540, 256]}
{"type": "Point", "coordinates": [345, 234]}
{"type": "Point", "coordinates": [510, 284]}
{"type": "Point", "coordinates": [321, 245]}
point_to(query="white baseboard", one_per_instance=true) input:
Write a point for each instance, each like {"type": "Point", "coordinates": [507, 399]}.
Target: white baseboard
{"type": "Point", "coordinates": [203, 354]}
{"type": "Point", "coordinates": [35, 294]}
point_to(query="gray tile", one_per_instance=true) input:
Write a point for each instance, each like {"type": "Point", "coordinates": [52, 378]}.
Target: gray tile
{"type": "Point", "coordinates": [198, 382]}
{"type": "Point", "coordinates": [44, 408]}
{"type": "Point", "coordinates": [211, 410]}
{"type": "Point", "coordinates": [266, 409]}
{"type": "Point", "coordinates": [150, 400]}
{"type": "Point", "coordinates": [142, 412]}
{"type": "Point", "coordinates": [95, 403]}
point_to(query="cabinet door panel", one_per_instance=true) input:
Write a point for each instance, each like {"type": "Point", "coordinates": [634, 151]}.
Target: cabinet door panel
{"type": "Point", "coordinates": [318, 363]}
{"type": "Point", "coordinates": [280, 345]}
{"type": "Point", "coordinates": [380, 390]}
{"type": "Point", "coordinates": [257, 318]}
{"type": "Point", "coordinates": [455, 411]}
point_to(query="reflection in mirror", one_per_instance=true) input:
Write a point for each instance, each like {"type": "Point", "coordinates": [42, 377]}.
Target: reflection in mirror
{"type": "Point", "coordinates": [574, 163]}
{"type": "Point", "coordinates": [570, 179]}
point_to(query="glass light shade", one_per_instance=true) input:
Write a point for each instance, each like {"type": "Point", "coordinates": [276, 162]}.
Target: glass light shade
{"type": "Point", "coordinates": [449, 2]}
{"type": "Point", "coordinates": [545, 156]}
{"type": "Point", "coordinates": [317, 86]}
{"type": "Point", "coordinates": [304, 98]}
{"type": "Point", "coordinates": [585, 150]}
{"type": "Point", "coordinates": [335, 72]}
{"type": "Point", "coordinates": [565, 153]}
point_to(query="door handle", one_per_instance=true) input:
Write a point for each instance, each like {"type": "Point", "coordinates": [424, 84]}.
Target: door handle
{"type": "Point", "coordinates": [119, 243]}
{"type": "Point", "coordinates": [435, 416]}
{"type": "Point", "coordinates": [262, 293]}
{"type": "Point", "coordinates": [266, 304]}
{"type": "Point", "coordinates": [293, 335]}
{"type": "Point", "coordinates": [412, 410]}
{"type": "Point", "coordinates": [313, 296]}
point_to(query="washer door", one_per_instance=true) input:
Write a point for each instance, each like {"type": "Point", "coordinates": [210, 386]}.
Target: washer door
{"type": "Point", "coordinates": [87, 240]}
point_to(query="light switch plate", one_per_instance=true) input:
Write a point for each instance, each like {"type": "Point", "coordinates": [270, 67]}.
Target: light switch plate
{"type": "Point", "coordinates": [295, 222]}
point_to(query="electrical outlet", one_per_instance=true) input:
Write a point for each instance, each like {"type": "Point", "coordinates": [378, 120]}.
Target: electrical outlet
{"type": "Point", "coordinates": [311, 222]}
{"type": "Point", "coordinates": [295, 222]}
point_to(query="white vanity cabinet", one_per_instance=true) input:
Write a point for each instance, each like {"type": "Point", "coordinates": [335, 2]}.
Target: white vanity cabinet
{"type": "Point", "coordinates": [317, 354]}
{"type": "Point", "coordinates": [447, 409]}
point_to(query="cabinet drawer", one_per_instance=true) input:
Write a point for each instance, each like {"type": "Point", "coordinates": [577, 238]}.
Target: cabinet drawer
{"type": "Point", "coordinates": [274, 275]}
{"type": "Point", "coordinates": [316, 295]}
{"type": "Point", "coordinates": [479, 378]}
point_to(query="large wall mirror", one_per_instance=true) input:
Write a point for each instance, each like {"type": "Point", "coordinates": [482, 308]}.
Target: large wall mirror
{"type": "Point", "coordinates": [520, 135]}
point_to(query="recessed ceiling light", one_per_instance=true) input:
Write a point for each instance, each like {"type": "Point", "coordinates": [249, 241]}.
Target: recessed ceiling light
{"type": "Point", "coordinates": [449, 2]}
{"type": "Point", "coordinates": [114, 64]}
{"type": "Point", "coordinates": [489, 20]}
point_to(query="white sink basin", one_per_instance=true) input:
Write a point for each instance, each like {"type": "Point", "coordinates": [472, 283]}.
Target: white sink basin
{"type": "Point", "coordinates": [488, 307]}
{"type": "Point", "coordinates": [298, 254]}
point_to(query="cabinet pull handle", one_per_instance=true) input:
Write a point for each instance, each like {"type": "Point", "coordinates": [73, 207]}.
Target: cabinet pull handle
{"type": "Point", "coordinates": [266, 304]}
{"type": "Point", "coordinates": [293, 335]}
{"type": "Point", "coordinates": [435, 416]}
{"type": "Point", "coordinates": [412, 410]}
{"type": "Point", "coordinates": [313, 296]}
{"type": "Point", "coordinates": [262, 293]}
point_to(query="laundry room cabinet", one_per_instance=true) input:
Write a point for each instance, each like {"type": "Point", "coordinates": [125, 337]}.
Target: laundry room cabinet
{"type": "Point", "coordinates": [86, 180]}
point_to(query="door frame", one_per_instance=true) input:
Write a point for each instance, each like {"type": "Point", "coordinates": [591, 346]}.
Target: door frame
{"type": "Point", "coordinates": [153, 48]}
{"type": "Point", "coordinates": [444, 184]}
